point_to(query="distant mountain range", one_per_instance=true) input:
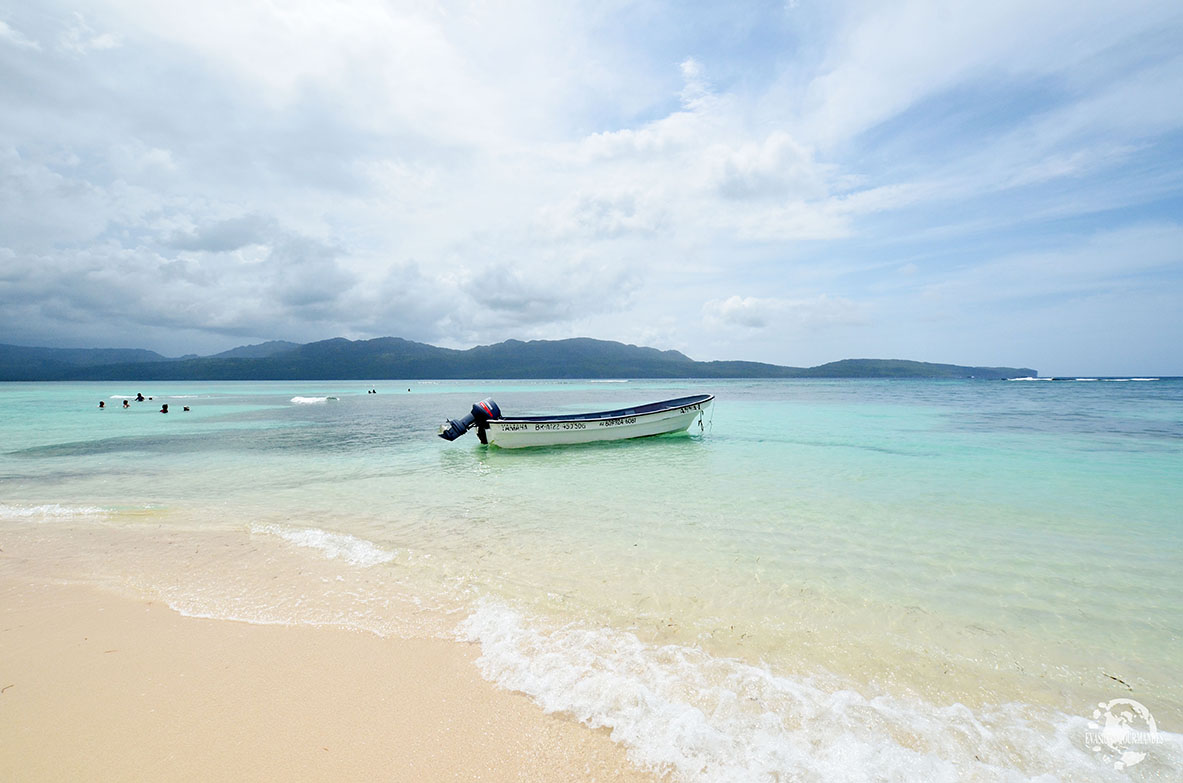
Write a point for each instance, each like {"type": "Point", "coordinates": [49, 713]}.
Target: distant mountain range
{"type": "Point", "coordinates": [393, 357]}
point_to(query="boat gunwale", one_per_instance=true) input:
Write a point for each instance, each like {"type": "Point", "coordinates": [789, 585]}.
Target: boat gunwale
{"type": "Point", "coordinates": [638, 410]}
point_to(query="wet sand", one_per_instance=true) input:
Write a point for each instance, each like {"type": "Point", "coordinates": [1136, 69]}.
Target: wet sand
{"type": "Point", "coordinates": [101, 687]}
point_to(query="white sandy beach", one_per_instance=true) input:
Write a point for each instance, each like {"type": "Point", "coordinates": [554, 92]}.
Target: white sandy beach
{"type": "Point", "coordinates": [101, 687]}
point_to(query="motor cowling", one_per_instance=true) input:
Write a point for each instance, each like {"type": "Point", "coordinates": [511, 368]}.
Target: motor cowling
{"type": "Point", "coordinates": [481, 412]}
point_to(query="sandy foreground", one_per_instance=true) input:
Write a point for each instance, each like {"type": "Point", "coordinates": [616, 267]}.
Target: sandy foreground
{"type": "Point", "coordinates": [101, 687]}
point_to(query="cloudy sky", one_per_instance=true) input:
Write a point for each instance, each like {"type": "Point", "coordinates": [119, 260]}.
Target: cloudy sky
{"type": "Point", "coordinates": [795, 182]}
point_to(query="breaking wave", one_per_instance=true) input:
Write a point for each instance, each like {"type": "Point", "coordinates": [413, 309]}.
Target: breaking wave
{"type": "Point", "coordinates": [704, 718]}
{"type": "Point", "coordinates": [356, 551]}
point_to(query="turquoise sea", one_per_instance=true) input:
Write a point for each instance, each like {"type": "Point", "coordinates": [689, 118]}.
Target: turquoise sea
{"type": "Point", "coordinates": [836, 580]}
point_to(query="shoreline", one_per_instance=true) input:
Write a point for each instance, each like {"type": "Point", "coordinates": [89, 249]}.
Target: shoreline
{"type": "Point", "coordinates": [105, 687]}
{"type": "Point", "coordinates": [191, 653]}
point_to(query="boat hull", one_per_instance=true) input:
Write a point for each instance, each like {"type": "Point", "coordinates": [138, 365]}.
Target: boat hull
{"type": "Point", "coordinates": [509, 433]}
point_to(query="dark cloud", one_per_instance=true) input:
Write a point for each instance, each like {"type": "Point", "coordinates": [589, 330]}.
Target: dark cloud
{"type": "Point", "coordinates": [305, 274]}
{"type": "Point", "coordinates": [517, 295]}
{"type": "Point", "coordinates": [405, 302]}
{"type": "Point", "coordinates": [295, 282]}
{"type": "Point", "coordinates": [505, 289]}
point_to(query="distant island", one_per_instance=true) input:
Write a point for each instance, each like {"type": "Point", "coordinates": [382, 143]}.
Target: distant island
{"type": "Point", "coordinates": [393, 357]}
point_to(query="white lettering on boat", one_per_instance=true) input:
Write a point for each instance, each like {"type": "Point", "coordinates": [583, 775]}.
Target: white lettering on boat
{"type": "Point", "coordinates": [561, 425]}
{"type": "Point", "coordinates": [616, 422]}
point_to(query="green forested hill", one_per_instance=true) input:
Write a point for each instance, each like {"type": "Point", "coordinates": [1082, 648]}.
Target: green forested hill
{"type": "Point", "coordinates": [393, 357]}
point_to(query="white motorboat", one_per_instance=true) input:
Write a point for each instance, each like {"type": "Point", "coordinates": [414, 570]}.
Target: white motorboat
{"type": "Point", "coordinates": [513, 432]}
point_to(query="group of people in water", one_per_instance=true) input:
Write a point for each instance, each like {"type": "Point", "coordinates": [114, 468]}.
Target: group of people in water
{"type": "Point", "coordinates": [139, 398]}
{"type": "Point", "coordinates": [164, 407]}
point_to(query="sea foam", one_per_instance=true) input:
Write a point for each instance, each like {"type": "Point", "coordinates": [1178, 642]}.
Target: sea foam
{"type": "Point", "coordinates": [311, 400]}
{"type": "Point", "coordinates": [50, 511]}
{"type": "Point", "coordinates": [704, 718]}
{"type": "Point", "coordinates": [356, 551]}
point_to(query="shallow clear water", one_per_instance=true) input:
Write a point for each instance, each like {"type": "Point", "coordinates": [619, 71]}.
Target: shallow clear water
{"type": "Point", "coordinates": [836, 580]}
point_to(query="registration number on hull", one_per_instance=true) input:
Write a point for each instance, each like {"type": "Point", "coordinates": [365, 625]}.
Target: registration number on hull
{"type": "Point", "coordinates": [617, 422]}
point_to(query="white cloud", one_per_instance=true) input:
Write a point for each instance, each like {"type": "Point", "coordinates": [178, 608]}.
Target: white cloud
{"type": "Point", "coordinates": [39, 205]}
{"type": "Point", "coordinates": [775, 167]}
{"type": "Point", "coordinates": [890, 56]}
{"type": "Point", "coordinates": [601, 216]}
{"type": "Point", "coordinates": [794, 221]}
{"type": "Point", "coordinates": [15, 38]}
{"type": "Point", "coordinates": [1120, 259]}
{"type": "Point", "coordinates": [714, 174]}
{"type": "Point", "coordinates": [81, 38]}
{"type": "Point", "coordinates": [696, 89]}
{"type": "Point", "coordinates": [464, 172]}
{"type": "Point", "coordinates": [762, 313]}
{"type": "Point", "coordinates": [384, 64]}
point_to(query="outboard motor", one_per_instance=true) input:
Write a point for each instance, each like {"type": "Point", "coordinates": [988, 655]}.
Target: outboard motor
{"type": "Point", "coordinates": [481, 412]}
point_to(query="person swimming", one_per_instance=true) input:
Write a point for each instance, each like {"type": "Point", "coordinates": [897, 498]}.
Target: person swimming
{"type": "Point", "coordinates": [164, 408]}
{"type": "Point", "coordinates": [139, 397]}
{"type": "Point", "coordinates": [125, 404]}
{"type": "Point", "coordinates": [102, 404]}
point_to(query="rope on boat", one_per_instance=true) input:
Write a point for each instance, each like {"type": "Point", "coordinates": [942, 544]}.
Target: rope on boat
{"type": "Point", "coordinates": [710, 425]}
